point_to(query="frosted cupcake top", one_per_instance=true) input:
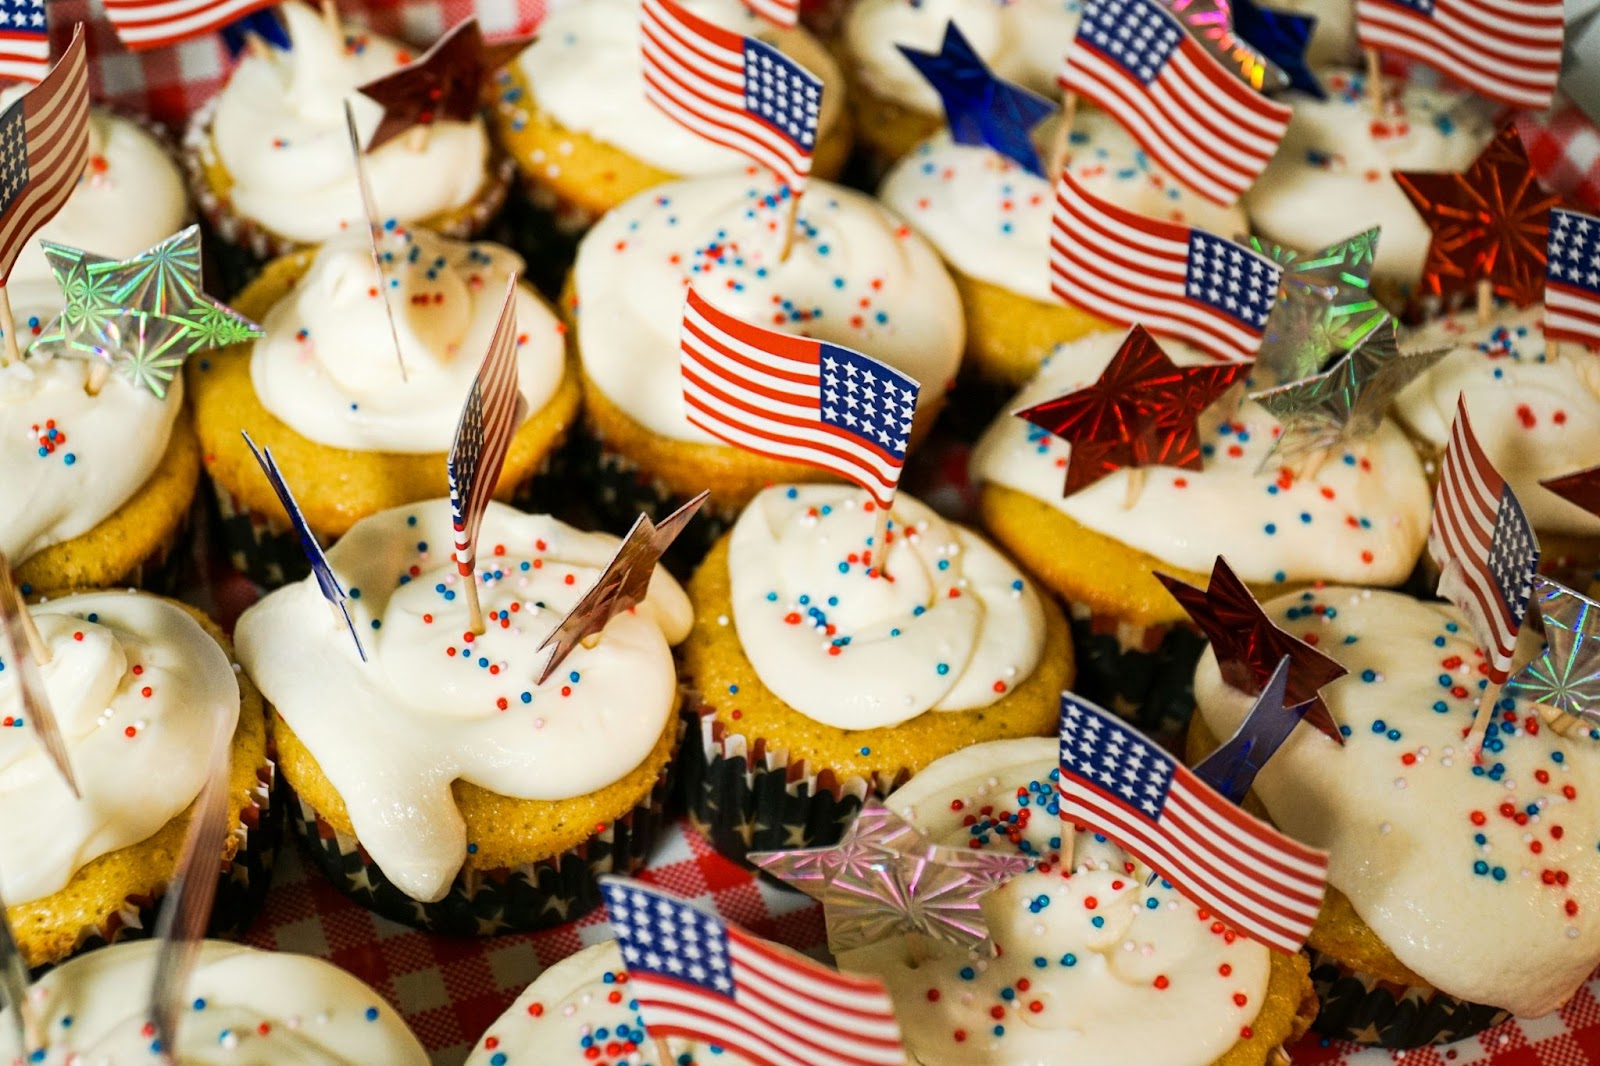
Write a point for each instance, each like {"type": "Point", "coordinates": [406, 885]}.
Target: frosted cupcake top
{"type": "Point", "coordinates": [246, 1006]}
{"type": "Point", "coordinates": [327, 365]}
{"type": "Point", "coordinates": [990, 219]}
{"type": "Point", "coordinates": [279, 130]}
{"type": "Point", "coordinates": [1096, 968]}
{"type": "Point", "coordinates": [432, 704]}
{"type": "Point", "coordinates": [137, 687]}
{"type": "Point", "coordinates": [1482, 878]}
{"type": "Point", "coordinates": [1364, 519]}
{"type": "Point", "coordinates": [857, 276]}
{"type": "Point", "coordinates": [943, 623]}
{"type": "Point", "coordinates": [596, 43]}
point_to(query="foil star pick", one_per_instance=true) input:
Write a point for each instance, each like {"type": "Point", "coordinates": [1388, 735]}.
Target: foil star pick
{"type": "Point", "coordinates": [1580, 488]}
{"type": "Point", "coordinates": [1212, 24]}
{"type": "Point", "coordinates": [1566, 675]}
{"type": "Point", "coordinates": [1143, 410]}
{"type": "Point", "coordinates": [623, 584]}
{"type": "Point", "coordinates": [1325, 305]}
{"type": "Point", "coordinates": [445, 84]}
{"type": "Point", "coordinates": [1490, 222]}
{"type": "Point", "coordinates": [1281, 37]}
{"type": "Point", "coordinates": [1249, 646]}
{"type": "Point", "coordinates": [1232, 768]}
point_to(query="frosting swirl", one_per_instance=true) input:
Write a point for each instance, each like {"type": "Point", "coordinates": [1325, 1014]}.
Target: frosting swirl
{"type": "Point", "coordinates": [137, 687]}
{"type": "Point", "coordinates": [327, 365]}
{"type": "Point", "coordinates": [279, 129]}
{"type": "Point", "coordinates": [857, 276]}
{"type": "Point", "coordinates": [429, 708]}
{"type": "Point", "coordinates": [1363, 519]}
{"type": "Point", "coordinates": [947, 624]}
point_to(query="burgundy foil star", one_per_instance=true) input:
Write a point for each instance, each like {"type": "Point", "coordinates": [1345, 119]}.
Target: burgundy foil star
{"type": "Point", "coordinates": [446, 83]}
{"type": "Point", "coordinates": [1143, 411]}
{"type": "Point", "coordinates": [1581, 487]}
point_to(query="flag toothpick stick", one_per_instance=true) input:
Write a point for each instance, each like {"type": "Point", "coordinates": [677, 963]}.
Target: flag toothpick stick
{"type": "Point", "coordinates": [8, 323]}
{"type": "Point", "coordinates": [1374, 81]}
{"type": "Point", "coordinates": [1136, 480]}
{"type": "Point", "coordinates": [1061, 144]}
{"type": "Point", "coordinates": [1488, 704]}
{"type": "Point", "coordinates": [791, 217]}
{"type": "Point", "coordinates": [1485, 301]}
{"type": "Point", "coordinates": [879, 544]}
{"type": "Point", "coordinates": [99, 374]}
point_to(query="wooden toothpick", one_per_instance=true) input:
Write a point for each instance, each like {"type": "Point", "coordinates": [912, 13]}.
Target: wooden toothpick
{"type": "Point", "coordinates": [1485, 301]}
{"type": "Point", "coordinates": [1061, 145]}
{"type": "Point", "coordinates": [1374, 81]}
{"type": "Point", "coordinates": [788, 227]}
{"type": "Point", "coordinates": [12, 353]}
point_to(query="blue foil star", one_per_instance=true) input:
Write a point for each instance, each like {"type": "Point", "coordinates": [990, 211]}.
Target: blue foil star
{"type": "Point", "coordinates": [264, 24]}
{"type": "Point", "coordinates": [1282, 37]}
{"type": "Point", "coordinates": [981, 108]}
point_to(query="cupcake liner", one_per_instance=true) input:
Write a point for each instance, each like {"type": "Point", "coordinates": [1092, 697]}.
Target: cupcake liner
{"type": "Point", "coordinates": [544, 231]}
{"type": "Point", "coordinates": [1145, 673]}
{"type": "Point", "coordinates": [1359, 1007]}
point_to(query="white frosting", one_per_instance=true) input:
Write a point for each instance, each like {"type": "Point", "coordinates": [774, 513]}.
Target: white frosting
{"type": "Point", "coordinates": [1535, 419]}
{"type": "Point", "coordinates": [596, 43]}
{"type": "Point", "coordinates": [1395, 806]}
{"type": "Point", "coordinates": [1364, 518]}
{"type": "Point", "coordinates": [1022, 41]}
{"type": "Point", "coordinates": [106, 446]}
{"type": "Point", "coordinates": [1331, 176]}
{"type": "Point", "coordinates": [137, 687]}
{"type": "Point", "coordinates": [279, 129]}
{"type": "Point", "coordinates": [327, 365]}
{"type": "Point", "coordinates": [857, 276]}
{"type": "Point", "coordinates": [1150, 984]}
{"type": "Point", "coordinates": [246, 1007]}
{"type": "Point", "coordinates": [991, 219]}
{"type": "Point", "coordinates": [948, 624]}
{"type": "Point", "coordinates": [581, 1002]}
{"type": "Point", "coordinates": [429, 708]}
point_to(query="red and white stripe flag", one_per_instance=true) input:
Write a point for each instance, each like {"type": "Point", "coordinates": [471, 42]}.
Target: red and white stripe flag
{"type": "Point", "coordinates": [146, 24]}
{"type": "Point", "coordinates": [1572, 278]}
{"type": "Point", "coordinates": [44, 142]}
{"type": "Point", "coordinates": [784, 13]}
{"type": "Point", "coordinates": [24, 40]}
{"type": "Point", "coordinates": [1192, 114]}
{"type": "Point", "coordinates": [1507, 50]}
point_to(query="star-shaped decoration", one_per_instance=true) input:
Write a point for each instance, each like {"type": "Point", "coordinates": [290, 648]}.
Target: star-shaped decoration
{"type": "Point", "coordinates": [1249, 646]}
{"type": "Point", "coordinates": [1281, 37]}
{"type": "Point", "coordinates": [982, 109]}
{"type": "Point", "coordinates": [1489, 222]}
{"type": "Point", "coordinates": [1232, 768]}
{"type": "Point", "coordinates": [1211, 22]}
{"type": "Point", "coordinates": [445, 84]}
{"type": "Point", "coordinates": [1566, 676]}
{"type": "Point", "coordinates": [622, 585]}
{"type": "Point", "coordinates": [1580, 488]}
{"type": "Point", "coordinates": [1347, 401]}
{"type": "Point", "coordinates": [1325, 305]}
{"type": "Point", "coordinates": [876, 834]}
{"type": "Point", "coordinates": [146, 349]}
{"type": "Point", "coordinates": [1143, 411]}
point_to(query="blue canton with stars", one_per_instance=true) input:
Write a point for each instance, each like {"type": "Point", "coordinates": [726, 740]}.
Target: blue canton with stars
{"type": "Point", "coordinates": [667, 937]}
{"type": "Point", "coordinates": [1574, 250]}
{"type": "Point", "coordinates": [13, 155]}
{"type": "Point", "coordinates": [23, 18]}
{"type": "Point", "coordinates": [867, 399]}
{"type": "Point", "coordinates": [1230, 279]}
{"type": "Point", "coordinates": [1104, 751]}
{"type": "Point", "coordinates": [1139, 35]}
{"type": "Point", "coordinates": [1513, 555]}
{"type": "Point", "coordinates": [782, 93]}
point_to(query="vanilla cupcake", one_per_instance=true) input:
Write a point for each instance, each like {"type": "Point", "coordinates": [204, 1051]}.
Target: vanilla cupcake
{"type": "Point", "coordinates": [1362, 520]}
{"type": "Point", "coordinates": [241, 1004]}
{"type": "Point", "coordinates": [1098, 962]}
{"type": "Point", "coordinates": [352, 433]}
{"type": "Point", "coordinates": [827, 671]}
{"type": "Point", "coordinates": [138, 685]}
{"type": "Point", "coordinates": [436, 782]}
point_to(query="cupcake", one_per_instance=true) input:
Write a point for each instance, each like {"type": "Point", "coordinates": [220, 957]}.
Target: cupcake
{"type": "Point", "coordinates": [1461, 889]}
{"type": "Point", "coordinates": [895, 109]}
{"type": "Point", "coordinates": [324, 392]}
{"type": "Point", "coordinates": [462, 796]}
{"type": "Point", "coordinates": [582, 150]}
{"type": "Point", "coordinates": [1331, 176]}
{"type": "Point", "coordinates": [1362, 520]}
{"type": "Point", "coordinates": [857, 276]}
{"type": "Point", "coordinates": [990, 219]}
{"type": "Point", "coordinates": [269, 158]}
{"type": "Point", "coordinates": [245, 1005]}
{"type": "Point", "coordinates": [137, 684]}
{"type": "Point", "coordinates": [1098, 964]}
{"type": "Point", "coordinates": [824, 674]}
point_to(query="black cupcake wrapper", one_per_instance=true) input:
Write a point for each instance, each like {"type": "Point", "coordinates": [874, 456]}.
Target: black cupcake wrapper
{"type": "Point", "coordinates": [1360, 1008]}
{"type": "Point", "coordinates": [1143, 673]}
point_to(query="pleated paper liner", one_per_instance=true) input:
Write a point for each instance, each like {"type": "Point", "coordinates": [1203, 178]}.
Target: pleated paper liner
{"type": "Point", "coordinates": [1360, 1008]}
{"type": "Point", "coordinates": [1145, 673]}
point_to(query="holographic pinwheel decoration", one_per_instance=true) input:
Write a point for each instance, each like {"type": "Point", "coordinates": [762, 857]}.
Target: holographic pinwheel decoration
{"type": "Point", "coordinates": [1212, 23]}
{"type": "Point", "coordinates": [1566, 676]}
{"type": "Point", "coordinates": [1281, 37]}
{"type": "Point", "coordinates": [1325, 306]}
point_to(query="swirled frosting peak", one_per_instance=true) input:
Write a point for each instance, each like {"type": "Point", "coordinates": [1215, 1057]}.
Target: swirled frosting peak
{"type": "Point", "coordinates": [327, 365]}
{"type": "Point", "coordinates": [855, 640]}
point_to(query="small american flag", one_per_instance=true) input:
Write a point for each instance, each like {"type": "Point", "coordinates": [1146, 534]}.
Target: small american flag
{"type": "Point", "coordinates": [785, 13]}
{"type": "Point", "coordinates": [1508, 50]}
{"type": "Point", "coordinates": [144, 24]}
{"type": "Point", "coordinates": [1192, 114]}
{"type": "Point", "coordinates": [697, 977]}
{"type": "Point", "coordinates": [1123, 786]}
{"type": "Point", "coordinates": [44, 148]}
{"type": "Point", "coordinates": [1483, 544]}
{"type": "Point", "coordinates": [735, 91]}
{"type": "Point", "coordinates": [796, 398]}
{"type": "Point", "coordinates": [24, 40]}
{"type": "Point", "coordinates": [1170, 278]}
{"type": "Point", "coordinates": [1572, 279]}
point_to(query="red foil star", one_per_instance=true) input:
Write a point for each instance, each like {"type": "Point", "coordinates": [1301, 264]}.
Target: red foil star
{"type": "Point", "coordinates": [446, 83]}
{"type": "Point", "coordinates": [1143, 411]}
{"type": "Point", "coordinates": [1581, 487]}
{"type": "Point", "coordinates": [1249, 646]}
{"type": "Point", "coordinates": [1489, 222]}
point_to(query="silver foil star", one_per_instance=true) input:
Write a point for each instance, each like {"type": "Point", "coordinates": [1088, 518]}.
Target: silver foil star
{"type": "Point", "coordinates": [1325, 306]}
{"type": "Point", "coordinates": [1567, 675]}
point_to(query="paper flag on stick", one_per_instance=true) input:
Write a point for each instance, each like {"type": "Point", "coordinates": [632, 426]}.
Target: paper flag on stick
{"type": "Point", "coordinates": [446, 84]}
{"type": "Point", "coordinates": [25, 46]}
{"type": "Point", "coordinates": [46, 136]}
{"type": "Point", "coordinates": [1231, 769]}
{"type": "Point", "coordinates": [143, 25]}
{"type": "Point", "coordinates": [784, 14]}
{"type": "Point", "coordinates": [1572, 282]}
{"type": "Point", "coordinates": [369, 208]}
{"type": "Point", "coordinates": [30, 683]}
{"type": "Point", "coordinates": [1508, 52]}
{"type": "Point", "coordinates": [1566, 675]}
